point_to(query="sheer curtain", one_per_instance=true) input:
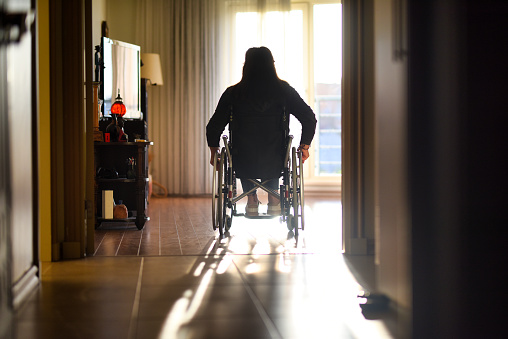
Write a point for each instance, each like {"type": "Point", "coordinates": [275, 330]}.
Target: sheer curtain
{"type": "Point", "coordinates": [185, 35]}
{"type": "Point", "coordinates": [194, 39]}
{"type": "Point", "coordinates": [250, 23]}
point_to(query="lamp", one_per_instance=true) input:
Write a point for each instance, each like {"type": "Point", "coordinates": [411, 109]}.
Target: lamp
{"type": "Point", "coordinates": [151, 68]}
{"type": "Point", "coordinates": [150, 72]}
{"type": "Point", "coordinates": [118, 108]}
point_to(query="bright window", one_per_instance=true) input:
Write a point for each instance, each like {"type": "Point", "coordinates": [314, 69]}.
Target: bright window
{"type": "Point", "coordinates": [315, 72]}
{"type": "Point", "coordinates": [327, 35]}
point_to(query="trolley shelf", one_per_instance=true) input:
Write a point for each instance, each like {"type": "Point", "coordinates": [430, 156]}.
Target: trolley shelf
{"type": "Point", "coordinates": [119, 180]}
{"type": "Point", "coordinates": [129, 219]}
{"type": "Point", "coordinates": [116, 157]}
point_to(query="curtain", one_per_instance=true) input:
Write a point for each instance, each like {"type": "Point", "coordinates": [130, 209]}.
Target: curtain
{"type": "Point", "coordinates": [184, 34]}
{"type": "Point", "coordinates": [194, 41]}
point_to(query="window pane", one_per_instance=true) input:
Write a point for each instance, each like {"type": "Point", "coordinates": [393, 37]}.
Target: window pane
{"type": "Point", "coordinates": [329, 122]}
{"type": "Point", "coordinates": [330, 169]}
{"type": "Point", "coordinates": [327, 89]}
{"type": "Point", "coordinates": [329, 138]}
{"type": "Point", "coordinates": [330, 106]}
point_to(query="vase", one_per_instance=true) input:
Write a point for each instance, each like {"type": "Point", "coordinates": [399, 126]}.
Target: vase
{"type": "Point", "coordinates": [113, 129]}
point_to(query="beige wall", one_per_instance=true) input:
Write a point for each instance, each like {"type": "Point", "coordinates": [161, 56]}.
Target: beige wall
{"type": "Point", "coordinates": [121, 18]}
{"type": "Point", "coordinates": [98, 16]}
{"type": "Point", "coordinates": [392, 226]}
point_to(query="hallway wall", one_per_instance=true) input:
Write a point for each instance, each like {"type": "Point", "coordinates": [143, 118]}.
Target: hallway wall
{"type": "Point", "coordinates": [458, 173]}
{"type": "Point", "coordinates": [121, 18]}
{"type": "Point", "coordinates": [390, 98]}
{"type": "Point", "coordinates": [99, 12]}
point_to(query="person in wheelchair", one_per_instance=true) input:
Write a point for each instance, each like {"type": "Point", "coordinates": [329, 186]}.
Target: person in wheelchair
{"type": "Point", "coordinates": [256, 110]}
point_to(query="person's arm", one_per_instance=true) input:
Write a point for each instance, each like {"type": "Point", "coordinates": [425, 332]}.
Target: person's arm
{"type": "Point", "coordinates": [307, 119]}
{"type": "Point", "coordinates": [217, 123]}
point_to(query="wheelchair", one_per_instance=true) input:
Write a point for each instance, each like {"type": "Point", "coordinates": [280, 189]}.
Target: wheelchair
{"type": "Point", "coordinates": [290, 194]}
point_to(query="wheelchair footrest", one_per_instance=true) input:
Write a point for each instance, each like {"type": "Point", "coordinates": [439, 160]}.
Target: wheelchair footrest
{"type": "Point", "coordinates": [259, 216]}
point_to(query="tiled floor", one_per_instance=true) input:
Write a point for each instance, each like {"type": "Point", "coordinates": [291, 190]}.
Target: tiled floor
{"type": "Point", "coordinates": [182, 226]}
{"type": "Point", "coordinates": [176, 279]}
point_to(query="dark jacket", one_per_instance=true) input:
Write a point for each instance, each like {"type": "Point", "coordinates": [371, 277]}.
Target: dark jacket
{"type": "Point", "coordinates": [258, 134]}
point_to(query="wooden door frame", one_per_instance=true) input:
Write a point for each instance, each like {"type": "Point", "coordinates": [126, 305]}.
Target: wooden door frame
{"type": "Point", "coordinates": [358, 158]}
{"type": "Point", "coordinates": [69, 179]}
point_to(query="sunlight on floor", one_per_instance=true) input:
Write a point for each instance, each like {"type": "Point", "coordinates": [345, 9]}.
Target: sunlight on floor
{"type": "Point", "coordinates": [254, 283]}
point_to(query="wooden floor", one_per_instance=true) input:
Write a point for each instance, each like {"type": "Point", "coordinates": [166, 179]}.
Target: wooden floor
{"type": "Point", "coordinates": [183, 226]}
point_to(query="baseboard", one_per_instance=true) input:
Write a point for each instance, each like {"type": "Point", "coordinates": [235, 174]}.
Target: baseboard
{"type": "Point", "coordinates": [321, 188]}
{"type": "Point", "coordinates": [24, 286]}
{"type": "Point", "coordinates": [71, 250]}
{"type": "Point", "coordinates": [404, 320]}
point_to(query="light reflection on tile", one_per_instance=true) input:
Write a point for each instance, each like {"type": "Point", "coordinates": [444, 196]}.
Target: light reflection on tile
{"type": "Point", "coordinates": [255, 283]}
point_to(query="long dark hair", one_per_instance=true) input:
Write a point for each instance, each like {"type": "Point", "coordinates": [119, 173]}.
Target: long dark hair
{"type": "Point", "coordinates": [259, 77]}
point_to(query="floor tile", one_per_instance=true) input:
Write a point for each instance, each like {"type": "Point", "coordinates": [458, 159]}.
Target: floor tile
{"type": "Point", "coordinates": [177, 279]}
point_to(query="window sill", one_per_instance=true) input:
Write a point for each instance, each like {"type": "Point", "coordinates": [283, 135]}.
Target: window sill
{"type": "Point", "coordinates": [323, 186]}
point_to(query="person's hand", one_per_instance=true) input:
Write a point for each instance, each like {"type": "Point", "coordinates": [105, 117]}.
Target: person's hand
{"type": "Point", "coordinates": [305, 151]}
{"type": "Point", "coordinates": [213, 151]}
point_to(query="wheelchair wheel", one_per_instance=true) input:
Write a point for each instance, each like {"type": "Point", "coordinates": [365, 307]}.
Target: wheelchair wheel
{"type": "Point", "coordinates": [292, 223]}
{"type": "Point", "coordinates": [217, 197]}
{"type": "Point", "coordinates": [286, 196]}
{"type": "Point", "coordinates": [221, 192]}
{"type": "Point", "coordinates": [296, 220]}
{"type": "Point", "coordinates": [229, 208]}
{"type": "Point", "coordinates": [294, 184]}
{"type": "Point", "coordinates": [227, 223]}
{"type": "Point", "coordinates": [301, 200]}
{"type": "Point", "coordinates": [228, 193]}
{"type": "Point", "coordinates": [215, 176]}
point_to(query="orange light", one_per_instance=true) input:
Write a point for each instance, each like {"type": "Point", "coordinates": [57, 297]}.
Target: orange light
{"type": "Point", "coordinates": [118, 107]}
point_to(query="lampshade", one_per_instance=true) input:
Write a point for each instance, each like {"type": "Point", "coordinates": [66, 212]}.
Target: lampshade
{"type": "Point", "coordinates": [151, 68]}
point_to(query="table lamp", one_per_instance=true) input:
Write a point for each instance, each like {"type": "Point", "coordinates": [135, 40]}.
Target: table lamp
{"type": "Point", "coordinates": [151, 72]}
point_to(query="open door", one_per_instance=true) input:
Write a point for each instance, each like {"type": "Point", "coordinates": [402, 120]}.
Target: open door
{"type": "Point", "coordinates": [18, 217]}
